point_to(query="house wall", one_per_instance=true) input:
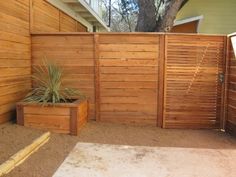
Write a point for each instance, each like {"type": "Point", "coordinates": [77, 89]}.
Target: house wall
{"type": "Point", "coordinates": [15, 55]}
{"type": "Point", "coordinates": [47, 18]}
{"type": "Point", "coordinates": [219, 15]}
{"type": "Point", "coordinates": [186, 28]}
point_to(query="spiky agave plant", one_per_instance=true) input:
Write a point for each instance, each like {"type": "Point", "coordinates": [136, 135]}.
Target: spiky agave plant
{"type": "Point", "coordinates": [49, 88]}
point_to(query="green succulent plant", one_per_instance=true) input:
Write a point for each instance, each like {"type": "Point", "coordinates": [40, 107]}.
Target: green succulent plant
{"type": "Point", "coordinates": [48, 86]}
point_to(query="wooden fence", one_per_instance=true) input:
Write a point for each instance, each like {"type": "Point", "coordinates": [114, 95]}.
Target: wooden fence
{"type": "Point", "coordinates": [15, 56]}
{"type": "Point", "coordinates": [167, 80]}
{"type": "Point", "coordinates": [230, 90]}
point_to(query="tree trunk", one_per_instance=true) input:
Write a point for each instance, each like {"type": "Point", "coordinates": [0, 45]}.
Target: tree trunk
{"type": "Point", "coordinates": [147, 16]}
{"type": "Point", "coordinates": [165, 23]}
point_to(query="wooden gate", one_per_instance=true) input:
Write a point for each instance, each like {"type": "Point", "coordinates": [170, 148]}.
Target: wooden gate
{"type": "Point", "coordinates": [169, 80]}
{"type": "Point", "coordinates": [193, 81]}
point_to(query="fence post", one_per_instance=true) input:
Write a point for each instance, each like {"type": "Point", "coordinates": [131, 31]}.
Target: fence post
{"type": "Point", "coordinates": [225, 86]}
{"type": "Point", "coordinates": [97, 77]}
{"type": "Point", "coordinates": [161, 75]}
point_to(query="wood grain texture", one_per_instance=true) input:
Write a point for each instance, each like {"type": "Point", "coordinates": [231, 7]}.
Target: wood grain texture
{"type": "Point", "coordinates": [68, 119]}
{"type": "Point", "coordinates": [67, 24]}
{"type": "Point", "coordinates": [44, 17]}
{"type": "Point", "coordinates": [73, 120]}
{"type": "Point", "coordinates": [14, 55]}
{"type": "Point", "coordinates": [128, 74]}
{"type": "Point", "coordinates": [192, 86]}
{"type": "Point", "coordinates": [75, 53]}
{"type": "Point", "coordinates": [82, 117]}
{"type": "Point", "coordinates": [230, 124]}
{"type": "Point", "coordinates": [81, 28]}
{"type": "Point", "coordinates": [169, 80]}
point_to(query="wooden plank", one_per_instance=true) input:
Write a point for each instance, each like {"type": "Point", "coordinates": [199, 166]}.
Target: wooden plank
{"type": "Point", "coordinates": [97, 77]}
{"type": "Point", "coordinates": [45, 17]}
{"type": "Point", "coordinates": [193, 95]}
{"type": "Point", "coordinates": [73, 120]}
{"type": "Point", "coordinates": [81, 28]}
{"type": "Point", "coordinates": [230, 90]}
{"type": "Point", "coordinates": [161, 75]}
{"type": "Point", "coordinates": [14, 55]}
{"type": "Point", "coordinates": [67, 24]}
{"type": "Point", "coordinates": [224, 85]}
{"type": "Point", "coordinates": [55, 123]}
{"type": "Point", "coordinates": [20, 115]}
{"type": "Point", "coordinates": [75, 54]}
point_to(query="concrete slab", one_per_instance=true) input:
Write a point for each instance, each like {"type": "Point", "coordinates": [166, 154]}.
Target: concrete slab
{"type": "Point", "coordinates": [101, 160]}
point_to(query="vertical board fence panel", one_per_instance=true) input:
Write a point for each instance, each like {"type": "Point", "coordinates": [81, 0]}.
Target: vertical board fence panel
{"type": "Point", "coordinates": [142, 78]}
{"type": "Point", "coordinates": [75, 53]}
{"type": "Point", "coordinates": [192, 86]}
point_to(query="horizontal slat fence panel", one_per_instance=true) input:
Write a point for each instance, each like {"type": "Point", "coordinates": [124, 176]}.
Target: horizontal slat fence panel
{"type": "Point", "coordinates": [67, 24]}
{"type": "Point", "coordinates": [192, 87]}
{"type": "Point", "coordinates": [44, 17]}
{"type": "Point", "coordinates": [137, 78]}
{"type": "Point", "coordinates": [230, 123]}
{"type": "Point", "coordinates": [128, 75]}
{"type": "Point", "coordinates": [75, 53]}
{"type": "Point", "coordinates": [15, 65]}
{"type": "Point", "coordinates": [47, 18]}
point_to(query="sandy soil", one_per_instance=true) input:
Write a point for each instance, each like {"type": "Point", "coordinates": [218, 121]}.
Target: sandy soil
{"type": "Point", "coordinates": [13, 138]}
{"type": "Point", "coordinates": [45, 161]}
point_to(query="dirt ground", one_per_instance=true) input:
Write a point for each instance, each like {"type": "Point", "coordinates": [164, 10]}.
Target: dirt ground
{"type": "Point", "coordinates": [45, 162]}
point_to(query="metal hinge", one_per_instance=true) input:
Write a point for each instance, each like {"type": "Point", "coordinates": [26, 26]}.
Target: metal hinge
{"type": "Point", "coordinates": [221, 77]}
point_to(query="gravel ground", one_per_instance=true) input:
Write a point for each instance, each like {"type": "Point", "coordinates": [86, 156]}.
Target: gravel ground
{"type": "Point", "coordinates": [48, 158]}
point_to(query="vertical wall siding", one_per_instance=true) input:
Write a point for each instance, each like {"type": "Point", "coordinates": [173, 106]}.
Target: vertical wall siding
{"type": "Point", "coordinates": [15, 49]}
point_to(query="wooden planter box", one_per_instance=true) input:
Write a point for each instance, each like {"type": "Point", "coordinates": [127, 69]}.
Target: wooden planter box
{"type": "Point", "coordinates": [67, 118]}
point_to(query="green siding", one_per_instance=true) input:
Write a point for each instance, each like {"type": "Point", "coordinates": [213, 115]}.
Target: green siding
{"type": "Point", "coordinates": [219, 15]}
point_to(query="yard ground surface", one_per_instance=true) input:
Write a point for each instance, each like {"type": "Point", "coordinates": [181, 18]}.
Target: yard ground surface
{"type": "Point", "coordinates": [48, 158]}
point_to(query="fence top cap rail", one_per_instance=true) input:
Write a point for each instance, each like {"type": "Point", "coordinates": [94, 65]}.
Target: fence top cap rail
{"type": "Point", "coordinates": [124, 33]}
